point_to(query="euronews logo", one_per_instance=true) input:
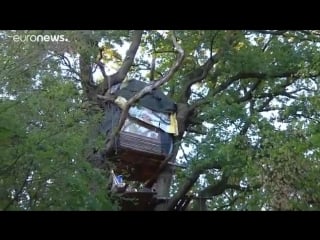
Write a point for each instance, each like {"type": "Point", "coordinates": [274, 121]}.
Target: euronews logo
{"type": "Point", "coordinates": [39, 38]}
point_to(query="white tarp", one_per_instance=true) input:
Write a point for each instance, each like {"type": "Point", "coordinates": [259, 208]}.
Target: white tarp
{"type": "Point", "coordinates": [132, 127]}
{"type": "Point", "coordinates": [166, 122]}
{"type": "Point", "coordinates": [156, 119]}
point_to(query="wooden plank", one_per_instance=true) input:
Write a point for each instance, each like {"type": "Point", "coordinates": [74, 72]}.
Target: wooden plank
{"type": "Point", "coordinates": [140, 143]}
{"type": "Point", "coordinates": [136, 166]}
{"type": "Point", "coordinates": [138, 201]}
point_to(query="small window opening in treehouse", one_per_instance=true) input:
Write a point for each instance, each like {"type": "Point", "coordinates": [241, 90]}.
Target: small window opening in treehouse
{"type": "Point", "coordinates": [132, 127]}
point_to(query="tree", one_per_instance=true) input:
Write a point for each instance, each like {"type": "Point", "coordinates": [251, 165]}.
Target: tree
{"type": "Point", "coordinates": [247, 116]}
{"type": "Point", "coordinates": [43, 134]}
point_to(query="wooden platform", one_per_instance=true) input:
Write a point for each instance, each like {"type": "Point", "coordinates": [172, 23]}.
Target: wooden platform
{"type": "Point", "coordinates": [138, 201]}
{"type": "Point", "coordinates": [140, 143]}
{"type": "Point", "coordinates": [136, 166]}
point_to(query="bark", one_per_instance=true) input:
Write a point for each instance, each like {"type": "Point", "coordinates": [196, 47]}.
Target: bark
{"type": "Point", "coordinates": [164, 180]}
{"type": "Point", "coordinates": [120, 75]}
{"type": "Point", "coordinates": [86, 77]}
{"type": "Point", "coordinates": [190, 181]}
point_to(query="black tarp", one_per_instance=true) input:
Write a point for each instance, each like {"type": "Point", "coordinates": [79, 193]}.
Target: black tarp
{"type": "Point", "coordinates": [155, 100]}
{"type": "Point", "coordinates": [110, 119]}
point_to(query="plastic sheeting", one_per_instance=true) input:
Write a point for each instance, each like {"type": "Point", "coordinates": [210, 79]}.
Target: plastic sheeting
{"type": "Point", "coordinates": [166, 122]}
{"type": "Point", "coordinates": [156, 100]}
{"type": "Point", "coordinates": [132, 127]}
{"type": "Point", "coordinates": [156, 119]}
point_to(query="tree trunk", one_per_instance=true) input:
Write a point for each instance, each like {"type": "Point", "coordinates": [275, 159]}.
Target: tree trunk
{"type": "Point", "coordinates": [163, 184]}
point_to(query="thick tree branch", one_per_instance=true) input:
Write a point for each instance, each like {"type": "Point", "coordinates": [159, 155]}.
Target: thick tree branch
{"type": "Point", "coordinates": [120, 75]}
{"type": "Point", "coordinates": [130, 54]}
{"type": "Point", "coordinates": [190, 181]}
{"type": "Point", "coordinates": [211, 44]}
{"type": "Point", "coordinates": [184, 189]}
{"type": "Point", "coordinates": [220, 187]}
{"type": "Point", "coordinates": [66, 62]}
{"type": "Point", "coordinates": [272, 32]}
{"type": "Point", "coordinates": [163, 51]}
{"type": "Point", "coordinates": [215, 189]}
{"type": "Point", "coordinates": [86, 76]}
{"type": "Point", "coordinates": [199, 103]}
{"type": "Point", "coordinates": [266, 45]}
{"type": "Point", "coordinates": [260, 75]}
{"type": "Point", "coordinates": [184, 153]}
{"type": "Point", "coordinates": [244, 75]}
{"type": "Point", "coordinates": [248, 95]}
{"type": "Point", "coordinates": [153, 67]}
{"type": "Point", "coordinates": [197, 131]}
{"type": "Point", "coordinates": [196, 76]}
{"type": "Point", "coordinates": [263, 106]}
{"type": "Point", "coordinates": [103, 71]}
{"type": "Point", "coordinates": [107, 97]}
{"type": "Point", "coordinates": [201, 73]}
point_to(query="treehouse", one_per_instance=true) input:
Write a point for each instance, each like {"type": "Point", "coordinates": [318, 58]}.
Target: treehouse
{"type": "Point", "coordinates": [146, 138]}
{"type": "Point", "coordinates": [144, 142]}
